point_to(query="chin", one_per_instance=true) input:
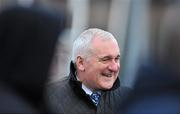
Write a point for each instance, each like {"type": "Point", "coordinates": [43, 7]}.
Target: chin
{"type": "Point", "coordinates": [107, 86]}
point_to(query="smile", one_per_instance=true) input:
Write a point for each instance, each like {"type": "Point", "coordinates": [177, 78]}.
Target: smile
{"type": "Point", "coordinates": [107, 74]}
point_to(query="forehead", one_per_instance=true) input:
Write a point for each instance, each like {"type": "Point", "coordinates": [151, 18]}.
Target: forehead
{"type": "Point", "coordinates": [104, 47]}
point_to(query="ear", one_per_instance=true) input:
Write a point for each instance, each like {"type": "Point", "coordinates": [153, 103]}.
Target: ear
{"type": "Point", "coordinates": [80, 63]}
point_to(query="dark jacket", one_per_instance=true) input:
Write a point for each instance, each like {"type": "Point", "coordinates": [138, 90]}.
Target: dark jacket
{"type": "Point", "coordinates": [67, 97]}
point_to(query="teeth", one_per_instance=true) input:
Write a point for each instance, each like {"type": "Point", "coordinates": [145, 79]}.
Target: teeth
{"type": "Point", "coordinates": [107, 75]}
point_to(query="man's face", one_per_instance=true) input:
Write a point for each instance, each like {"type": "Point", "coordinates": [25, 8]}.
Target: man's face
{"type": "Point", "coordinates": [101, 69]}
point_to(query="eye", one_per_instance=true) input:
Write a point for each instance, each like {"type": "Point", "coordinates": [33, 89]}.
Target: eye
{"type": "Point", "coordinates": [105, 59]}
{"type": "Point", "coordinates": [117, 59]}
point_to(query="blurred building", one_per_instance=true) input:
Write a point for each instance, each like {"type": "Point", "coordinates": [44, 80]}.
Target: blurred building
{"type": "Point", "coordinates": [136, 24]}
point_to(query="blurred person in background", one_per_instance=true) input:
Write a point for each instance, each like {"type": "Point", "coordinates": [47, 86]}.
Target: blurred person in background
{"type": "Point", "coordinates": [93, 86]}
{"type": "Point", "coordinates": [27, 41]}
{"type": "Point", "coordinates": [157, 88]}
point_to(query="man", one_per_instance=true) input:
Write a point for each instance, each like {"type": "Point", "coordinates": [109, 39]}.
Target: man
{"type": "Point", "coordinates": [94, 68]}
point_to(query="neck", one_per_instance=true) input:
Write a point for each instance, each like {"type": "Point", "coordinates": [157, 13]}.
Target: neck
{"type": "Point", "coordinates": [83, 83]}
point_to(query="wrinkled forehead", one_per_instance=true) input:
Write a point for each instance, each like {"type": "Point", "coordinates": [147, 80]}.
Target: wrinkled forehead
{"type": "Point", "coordinates": [105, 47]}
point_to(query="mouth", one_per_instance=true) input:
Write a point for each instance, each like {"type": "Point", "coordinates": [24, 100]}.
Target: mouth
{"type": "Point", "coordinates": [107, 74]}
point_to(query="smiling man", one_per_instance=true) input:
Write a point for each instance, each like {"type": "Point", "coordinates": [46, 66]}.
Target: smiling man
{"type": "Point", "coordinates": [93, 85]}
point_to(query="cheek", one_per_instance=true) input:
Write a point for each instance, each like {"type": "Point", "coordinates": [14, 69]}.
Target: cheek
{"type": "Point", "coordinates": [92, 73]}
{"type": "Point", "coordinates": [95, 69]}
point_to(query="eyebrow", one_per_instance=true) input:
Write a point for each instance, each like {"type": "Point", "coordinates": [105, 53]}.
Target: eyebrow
{"type": "Point", "coordinates": [109, 56]}
{"type": "Point", "coordinates": [119, 55]}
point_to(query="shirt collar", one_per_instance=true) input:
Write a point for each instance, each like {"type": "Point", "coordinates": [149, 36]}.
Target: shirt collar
{"type": "Point", "coordinates": [86, 89]}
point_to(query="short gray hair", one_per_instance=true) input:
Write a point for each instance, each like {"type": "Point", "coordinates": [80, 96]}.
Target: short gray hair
{"type": "Point", "coordinates": [82, 45]}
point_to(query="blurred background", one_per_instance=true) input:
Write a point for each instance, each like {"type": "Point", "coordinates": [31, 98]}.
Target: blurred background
{"type": "Point", "coordinates": [138, 25]}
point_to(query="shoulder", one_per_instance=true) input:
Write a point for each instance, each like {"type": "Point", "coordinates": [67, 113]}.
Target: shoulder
{"type": "Point", "coordinates": [123, 90]}
{"type": "Point", "coordinates": [58, 85]}
{"type": "Point", "coordinates": [56, 90]}
{"type": "Point", "coordinates": [61, 98]}
{"type": "Point", "coordinates": [56, 93]}
{"type": "Point", "coordinates": [60, 81]}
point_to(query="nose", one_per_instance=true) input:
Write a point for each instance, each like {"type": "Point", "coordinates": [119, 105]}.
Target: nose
{"type": "Point", "coordinates": [114, 66]}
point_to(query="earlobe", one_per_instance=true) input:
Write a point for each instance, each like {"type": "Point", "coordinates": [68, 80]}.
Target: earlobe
{"type": "Point", "coordinates": [80, 63]}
